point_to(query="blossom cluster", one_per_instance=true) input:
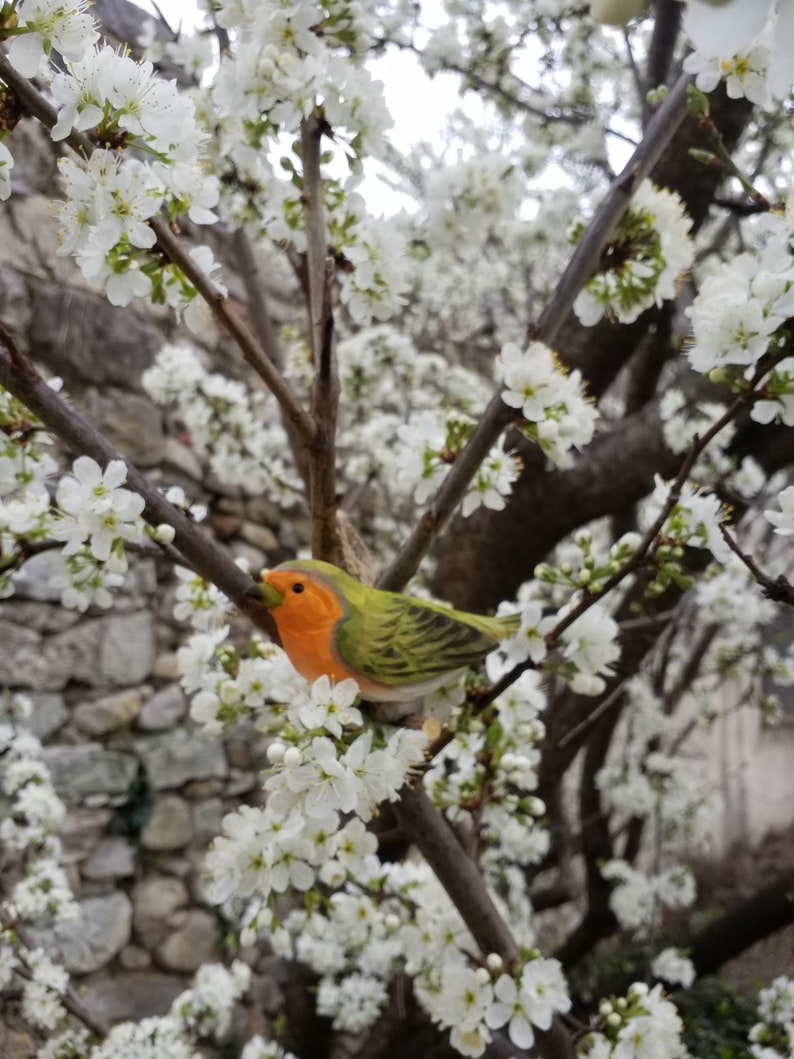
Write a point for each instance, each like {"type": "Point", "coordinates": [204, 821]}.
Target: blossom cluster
{"type": "Point", "coordinates": [772, 1037]}
{"type": "Point", "coordinates": [326, 765]}
{"type": "Point", "coordinates": [282, 65]}
{"type": "Point", "coordinates": [235, 430]}
{"type": "Point", "coordinates": [589, 644]}
{"type": "Point", "coordinates": [644, 260]}
{"type": "Point", "coordinates": [93, 516]}
{"type": "Point", "coordinates": [646, 780]}
{"type": "Point", "coordinates": [739, 315]}
{"type": "Point", "coordinates": [429, 444]}
{"type": "Point", "coordinates": [674, 968]}
{"type": "Point", "coordinates": [639, 899]}
{"type": "Point", "coordinates": [555, 412]}
{"type": "Point", "coordinates": [38, 891]}
{"type": "Point", "coordinates": [644, 1024]}
{"type": "Point", "coordinates": [472, 1003]}
{"type": "Point", "coordinates": [694, 520]}
{"type": "Point", "coordinates": [492, 765]}
{"type": "Point", "coordinates": [111, 194]}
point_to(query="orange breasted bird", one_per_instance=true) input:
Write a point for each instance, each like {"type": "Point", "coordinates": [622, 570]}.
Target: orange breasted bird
{"type": "Point", "coordinates": [396, 647]}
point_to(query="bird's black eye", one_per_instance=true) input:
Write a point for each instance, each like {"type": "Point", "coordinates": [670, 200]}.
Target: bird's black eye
{"type": "Point", "coordinates": [297, 587]}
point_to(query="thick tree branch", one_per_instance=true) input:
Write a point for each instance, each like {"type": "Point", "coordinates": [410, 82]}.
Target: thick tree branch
{"type": "Point", "coordinates": [666, 27]}
{"type": "Point", "coordinates": [463, 882]}
{"type": "Point", "coordinates": [769, 909]}
{"type": "Point", "coordinates": [326, 542]}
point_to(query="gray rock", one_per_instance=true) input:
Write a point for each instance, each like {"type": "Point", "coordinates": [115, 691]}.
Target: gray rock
{"type": "Point", "coordinates": [170, 826]}
{"type": "Point", "coordinates": [207, 817]}
{"type": "Point", "coordinates": [116, 650]}
{"type": "Point", "coordinates": [81, 832]}
{"type": "Point", "coordinates": [259, 536]}
{"type": "Point", "coordinates": [181, 460]}
{"type": "Point", "coordinates": [134, 958]}
{"type": "Point", "coordinates": [165, 666]}
{"type": "Point", "coordinates": [201, 790]}
{"type": "Point", "coordinates": [109, 713]}
{"type": "Point", "coordinates": [36, 254]}
{"type": "Point", "coordinates": [131, 423]}
{"type": "Point", "coordinates": [39, 615]}
{"type": "Point", "coordinates": [73, 330]}
{"type": "Point", "coordinates": [133, 995]}
{"type": "Point", "coordinates": [163, 710]}
{"type": "Point", "coordinates": [154, 901]}
{"type": "Point", "coordinates": [21, 661]}
{"type": "Point", "coordinates": [48, 715]}
{"type": "Point", "coordinates": [14, 299]}
{"type": "Point", "coordinates": [16, 1044]}
{"type": "Point", "coordinates": [34, 580]}
{"type": "Point", "coordinates": [142, 578]}
{"type": "Point", "coordinates": [89, 769]}
{"type": "Point", "coordinates": [114, 858]}
{"type": "Point", "coordinates": [182, 757]}
{"type": "Point", "coordinates": [194, 941]}
{"type": "Point", "coordinates": [92, 939]}
{"type": "Point", "coordinates": [127, 649]}
{"type": "Point", "coordinates": [254, 558]}
{"type": "Point", "coordinates": [241, 783]}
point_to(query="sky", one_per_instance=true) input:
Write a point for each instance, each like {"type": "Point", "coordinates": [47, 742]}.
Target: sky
{"type": "Point", "coordinates": [418, 105]}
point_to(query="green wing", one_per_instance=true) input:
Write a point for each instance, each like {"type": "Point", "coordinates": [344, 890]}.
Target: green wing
{"type": "Point", "coordinates": [397, 640]}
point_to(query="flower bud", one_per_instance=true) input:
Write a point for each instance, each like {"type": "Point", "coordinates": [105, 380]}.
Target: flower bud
{"type": "Point", "coordinates": [293, 756]}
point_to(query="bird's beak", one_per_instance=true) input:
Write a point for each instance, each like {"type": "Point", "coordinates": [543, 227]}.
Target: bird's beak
{"type": "Point", "coordinates": [266, 593]}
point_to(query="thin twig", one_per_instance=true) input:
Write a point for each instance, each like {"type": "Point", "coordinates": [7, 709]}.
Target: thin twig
{"type": "Point", "coordinates": [70, 1000]}
{"type": "Point", "coordinates": [591, 718]}
{"type": "Point", "coordinates": [778, 589]}
{"type": "Point", "coordinates": [497, 415]}
{"type": "Point", "coordinates": [573, 116]}
{"type": "Point", "coordinates": [257, 300]}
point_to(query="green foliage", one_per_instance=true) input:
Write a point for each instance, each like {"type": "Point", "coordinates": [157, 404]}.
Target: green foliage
{"type": "Point", "coordinates": [717, 1019]}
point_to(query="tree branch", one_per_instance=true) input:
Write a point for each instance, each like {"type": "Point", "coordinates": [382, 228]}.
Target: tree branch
{"type": "Point", "coordinates": [769, 909]}
{"type": "Point", "coordinates": [463, 882]}
{"type": "Point", "coordinates": [323, 498]}
{"type": "Point", "coordinates": [778, 589]}
{"type": "Point", "coordinates": [20, 378]}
